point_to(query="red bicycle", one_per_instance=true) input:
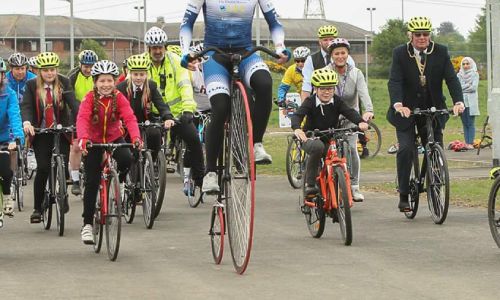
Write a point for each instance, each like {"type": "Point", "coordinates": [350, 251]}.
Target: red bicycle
{"type": "Point", "coordinates": [108, 210]}
{"type": "Point", "coordinates": [334, 197]}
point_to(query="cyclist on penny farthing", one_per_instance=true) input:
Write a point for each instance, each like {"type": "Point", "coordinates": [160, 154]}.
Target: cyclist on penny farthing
{"type": "Point", "coordinates": [47, 101]}
{"type": "Point", "coordinates": [416, 81]}
{"type": "Point", "coordinates": [322, 110]}
{"type": "Point", "coordinates": [228, 26]}
{"type": "Point", "coordinates": [11, 129]}
{"type": "Point", "coordinates": [293, 75]}
{"type": "Point", "coordinates": [18, 74]}
{"type": "Point", "coordinates": [142, 93]}
{"type": "Point", "coordinates": [99, 122]}
{"type": "Point", "coordinates": [176, 89]}
{"type": "Point", "coordinates": [82, 83]}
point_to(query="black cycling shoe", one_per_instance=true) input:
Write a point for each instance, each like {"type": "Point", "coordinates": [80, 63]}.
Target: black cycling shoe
{"type": "Point", "coordinates": [311, 190]}
{"type": "Point", "coordinates": [75, 188]}
{"type": "Point", "coordinates": [365, 153]}
{"type": "Point", "coordinates": [404, 205]}
{"type": "Point", "coordinates": [36, 217]}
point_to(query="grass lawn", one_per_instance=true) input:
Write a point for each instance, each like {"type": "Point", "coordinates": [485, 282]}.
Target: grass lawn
{"type": "Point", "coordinates": [470, 193]}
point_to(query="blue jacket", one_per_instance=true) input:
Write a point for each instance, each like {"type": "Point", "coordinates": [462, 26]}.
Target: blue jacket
{"type": "Point", "coordinates": [19, 86]}
{"type": "Point", "coordinates": [10, 117]}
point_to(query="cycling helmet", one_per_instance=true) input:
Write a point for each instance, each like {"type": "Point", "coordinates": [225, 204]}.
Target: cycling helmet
{"type": "Point", "coordinates": [419, 24]}
{"type": "Point", "coordinates": [155, 37]}
{"type": "Point", "coordinates": [3, 66]}
{"type": "Point", "coordinates": [32, 62]}
{"type": "Point", "coordinates": [88, 57]}
{"type": "Point", "coordinates": [139, 62]}
{"type": "Point", "coordinates": [339, 42]}
{"type": "Point", "coordinates": [46, 60]}
{"type": "Point", "coordinates": [327, 31]}
{"type": "Point", "coordinates": [17, 60]}
{"type": "Point", "coordinates": [301, 52]}
{"type": "Point", "coordinates": [196, 48]}
{"type": "Point", "coordinates": [495, 172]}
{"type": "Point", "coordinates": [324, 77]}
{"type": "Point", "coordinates": [104, 67]}
{"type": "Point", "coordinates": [175, 49]}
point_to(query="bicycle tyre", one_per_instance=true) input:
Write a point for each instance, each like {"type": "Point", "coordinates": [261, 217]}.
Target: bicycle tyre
{"type": "Point", "coordinates": [294, 163]}
{"type": "Point", "coordinates": [113, 217]}
{"type": "Point", "coordinates": [414, 195]}
{"type": "Point", "coordinates": [149, 193]}
{"type": "Point", "coordinates": [241, 184]}
{"type": "Point", "coordinates": [494, 211]}
{"type": "Point", "coordinates": [438, 184]}
{"type": "Point", "coordinates": [161, 177]}
{"type": "Point", "coordinates": [61, 195]}
{"type": "Point", "coordinates": [315, 216]}
{"type": "Point", "coordinates": [129, 203]}
{"type": "Point", "coordinates": [196, 197]}
{"type": "Point", "coordinates": [346, 153]}
{"type": "Point", "coordinates": [374, 137]}
{"type": "Point", "coordinates": [217, 232]}
{"type": "Point", "coordinates": [180, 153]}
{"type": "Point", "coordinates": [97, 226]}
{"type": "Point", "coordinates": [19, 182]}
{"type": "Point", "coordinates": [46, 209]}
{"type": "Point", "coordinates": [343, 205]}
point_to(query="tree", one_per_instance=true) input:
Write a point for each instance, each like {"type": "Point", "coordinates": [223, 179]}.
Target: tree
{"type": "Point", "coordinates": [94, 46]}
{"type": "Point", "coordinates": [449, 36]}
{"type": "Point", "coordinates": [393, 34]}
{"type": "Point", "coordinates": [477, 39]}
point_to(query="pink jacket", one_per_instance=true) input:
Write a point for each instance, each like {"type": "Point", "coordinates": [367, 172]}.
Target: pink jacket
{"type": "Point", "coordinates": [106, 131]}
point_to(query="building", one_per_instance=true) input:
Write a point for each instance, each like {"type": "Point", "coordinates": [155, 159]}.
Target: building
{"type": "Point", "coordinates": [120, 38]}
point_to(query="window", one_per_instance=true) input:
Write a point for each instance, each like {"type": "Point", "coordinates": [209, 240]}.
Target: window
{"type": "Point", "coordinates": [49, 46]}
{"type": "Point", "coordinates": [33, 47]}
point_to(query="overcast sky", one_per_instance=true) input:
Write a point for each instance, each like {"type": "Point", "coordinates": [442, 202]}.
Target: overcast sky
{"type": "Point", "coordinates": [462, 13]}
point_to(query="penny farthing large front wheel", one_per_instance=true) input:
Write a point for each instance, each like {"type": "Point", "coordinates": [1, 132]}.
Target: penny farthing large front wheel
{"type": "Point", "coordinates": [241, 183]}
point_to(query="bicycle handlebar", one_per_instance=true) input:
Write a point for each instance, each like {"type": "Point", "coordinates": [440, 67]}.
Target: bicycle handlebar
{"type": "Point", "coordinates": [109, 146]}
{"type": "Point", "coordinates": [241, 57]}
{"type": "Point", "coordinates": [57, 129]}
{"type": "Point", "coordinates": [431, 111]}
{"type": "Point", "coordinates": [332, 131]}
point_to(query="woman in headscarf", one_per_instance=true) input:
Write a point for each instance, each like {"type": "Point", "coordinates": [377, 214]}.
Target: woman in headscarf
{"type": "Point", "coordinates": [469, 80]}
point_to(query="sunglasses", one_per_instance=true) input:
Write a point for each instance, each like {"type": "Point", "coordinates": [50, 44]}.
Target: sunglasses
{"type": "Point", "coordinates": [419, 34]}
{"type": "Point", "coordinates": [300, 60]}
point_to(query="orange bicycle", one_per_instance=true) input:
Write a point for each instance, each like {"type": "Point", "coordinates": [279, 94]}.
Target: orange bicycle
{"type": "Point", "coordinates": [334, 198]}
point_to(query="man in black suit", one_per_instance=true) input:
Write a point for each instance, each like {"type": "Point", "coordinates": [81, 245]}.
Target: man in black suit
{"type": "Point", "coordinates": [417, 73]}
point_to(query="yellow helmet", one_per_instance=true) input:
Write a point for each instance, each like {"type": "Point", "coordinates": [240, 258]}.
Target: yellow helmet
{"type": "Point", "coordinates": [327, 31]}
{"type": "Point", "coordinates": [324, 77]}
{"type": "Point", "coordinates": [139, 62]}
{"type": "Point", "coordinates": [495, 172]}
{"type": "Point", "coordinates": [417, 24]}
{"type": "Point", "coordinates": [175, 49]}
{"type": "Point", "coordinates": [46, 60]}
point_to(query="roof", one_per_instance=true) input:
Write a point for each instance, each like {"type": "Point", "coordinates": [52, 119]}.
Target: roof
{"type": "Point", "coordinates": [27, 26]}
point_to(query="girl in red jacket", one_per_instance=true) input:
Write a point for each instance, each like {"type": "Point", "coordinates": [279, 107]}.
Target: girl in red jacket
{"type": "Point", "coordinates": [98, 121]}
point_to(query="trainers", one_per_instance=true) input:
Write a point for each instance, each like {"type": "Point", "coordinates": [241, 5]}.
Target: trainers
{"type": "Point", "coordinates": [365, 152]}
{"type": "Point", "coordinates": [8, 206]}
{"type": "Point", "coordinates": [188, 188]}
{"type": "Point", "coordinates": [311, 190]}
{"type": "Point", "coordinates": [87, 236]}
{"type": "Point", "coordinates": [356, 194]}
{"type": "Point", "coordinates": [75, 188]}
{"type": "Point", "coordinates": [36, 217]}
{"type": "Point", "coordinates": [261, 156]}
{"type": "Point", "coordinates": [210, 184]}
{"type": "Point", "coordinates": [404, 206]}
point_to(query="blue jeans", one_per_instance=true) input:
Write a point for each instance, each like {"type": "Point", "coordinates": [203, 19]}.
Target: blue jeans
{"type": "Point", "coordinates": [469, 128]}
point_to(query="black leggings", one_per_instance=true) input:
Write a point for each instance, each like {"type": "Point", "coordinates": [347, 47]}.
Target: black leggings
{"type": "Point", "coordinates": [93, 170]}
{"type": "Point", "coordinates": [5, 173]}
{"type": "Point", "coordinates": [43, 145]}
{"type": "Point", "coordinates": [261, 84]}
{"type": "Point", "coordinates": [193, 158]}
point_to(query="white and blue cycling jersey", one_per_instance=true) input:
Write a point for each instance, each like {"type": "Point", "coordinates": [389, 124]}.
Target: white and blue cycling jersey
{"type": "Point", "coordinates": [228, 25]}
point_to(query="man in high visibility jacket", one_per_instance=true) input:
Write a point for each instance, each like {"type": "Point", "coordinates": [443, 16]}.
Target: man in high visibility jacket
{"type": "Point", "coordinates": [175, 87]}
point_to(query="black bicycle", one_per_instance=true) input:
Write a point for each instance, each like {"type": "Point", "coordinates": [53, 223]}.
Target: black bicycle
{"type": "Point", "coordinates": [433, 171]}
{"type": "Point", "coordinates": [494, 206]}
{"type": "Point", "coordinates": [486, 140]}
{"type": "Point", "coordinates": [140, 184]}
{"type": "Point", "coordinates": [56, 188]}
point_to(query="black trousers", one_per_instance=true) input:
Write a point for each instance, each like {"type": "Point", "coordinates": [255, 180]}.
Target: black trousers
{"type": "Point", "coordinates": [93, 170]}
{"type": "Point", "coordinates": [315, 149]}
{"type": "Point", "coordinates": [407, 150]}
{"type": "Point", "coordinates": [43, 145]}
{"type": "Point", "coordinates": [6, 173]}
{"type": "Point", "coordinates": [193, 157]}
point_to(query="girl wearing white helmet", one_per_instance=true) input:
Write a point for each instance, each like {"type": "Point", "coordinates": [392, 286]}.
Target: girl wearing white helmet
{"type": "Point", "coordinates": [47, 101]}
{"type": "Point", "coordinates": [293, 75]}
{"type": "Point", "coordinates": [99, 122]}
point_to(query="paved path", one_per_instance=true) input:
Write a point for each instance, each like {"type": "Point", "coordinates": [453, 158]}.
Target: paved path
{"type": "Point", "coordinates": [390, 258]}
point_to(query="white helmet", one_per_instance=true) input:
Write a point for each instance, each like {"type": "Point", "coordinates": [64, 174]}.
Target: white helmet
{"type": "Point", "coordinates": [155, 37]}
{"type": "Point", "coordinates": [301, 52]}
{"type": "Point", "coordinates": [104, 67]}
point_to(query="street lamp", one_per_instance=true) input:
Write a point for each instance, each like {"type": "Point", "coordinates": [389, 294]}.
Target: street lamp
{"type": "Point", "coordinates": [139, 22]}
{"type": "Point", "coordinates": [42, 26]}
{"type": "Point", "coordinates": [371, 9]}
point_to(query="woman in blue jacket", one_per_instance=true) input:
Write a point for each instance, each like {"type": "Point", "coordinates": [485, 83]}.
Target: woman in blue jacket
{"type": "Point", "coordinates": [10, 130]}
